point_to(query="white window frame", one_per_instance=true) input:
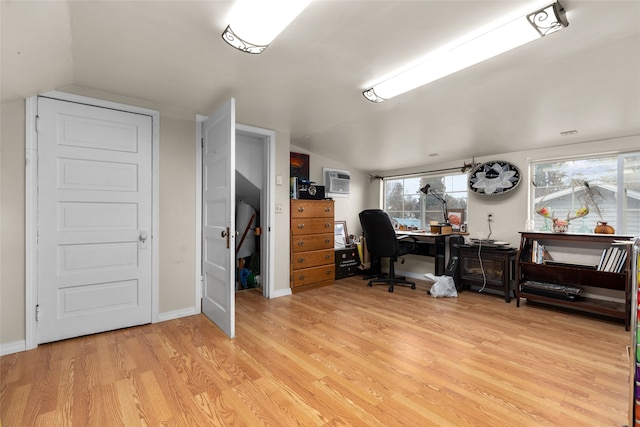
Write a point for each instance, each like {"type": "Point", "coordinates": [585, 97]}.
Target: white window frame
{"type": "Point", "coordinates": [619, 181]}
{"type": "Point", "coordinates": [428, 175]}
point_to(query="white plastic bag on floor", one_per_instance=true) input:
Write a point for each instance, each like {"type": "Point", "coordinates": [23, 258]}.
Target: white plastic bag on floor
{"type": "Point", "coordinates": [444, 286]}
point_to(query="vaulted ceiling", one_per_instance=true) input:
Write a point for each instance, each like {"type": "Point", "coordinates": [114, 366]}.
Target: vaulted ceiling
{"type": "Point", "coordinates": [309, 81]}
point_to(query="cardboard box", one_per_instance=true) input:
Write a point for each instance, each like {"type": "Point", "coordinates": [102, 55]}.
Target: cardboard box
{"type": "Point", "coordinates": [441, 229]}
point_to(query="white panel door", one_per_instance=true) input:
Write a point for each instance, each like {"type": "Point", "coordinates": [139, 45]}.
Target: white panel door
{"type": "Point", "coordinates": [218, 217]}
{"type": "Point", "coordinates": [94, 219]}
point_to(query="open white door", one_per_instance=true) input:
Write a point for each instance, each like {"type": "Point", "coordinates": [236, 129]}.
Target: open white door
{"type": "Point", "coordinates": [218, 217]}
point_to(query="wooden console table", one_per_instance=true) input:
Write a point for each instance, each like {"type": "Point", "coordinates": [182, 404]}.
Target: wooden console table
{"type": "Point", "coordinates": [573, 260]}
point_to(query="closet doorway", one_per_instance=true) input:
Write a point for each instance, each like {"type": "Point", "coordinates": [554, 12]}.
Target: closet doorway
{"type": "Point", "coordinates": [253, 171]}
{"type": "Point", "coordinates": [255, 186]}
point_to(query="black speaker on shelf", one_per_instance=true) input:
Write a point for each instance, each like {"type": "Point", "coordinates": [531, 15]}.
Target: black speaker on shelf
{"type": "Point", "coordinates": [310, 191]}
{"type": "Point", "coordinates": [454, 245]}
{"type": "Point", "coordinates": [454, 258]}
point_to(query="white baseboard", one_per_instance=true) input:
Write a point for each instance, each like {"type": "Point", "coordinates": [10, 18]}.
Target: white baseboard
{"type": "Point", "coordinates": [280, 293]}
{"type": "Point", "coordinates": [18, 346]}
{"type": "Point", "coordinates": [176, 314]}
{"type": "Point", "coordinates": [13, 347]}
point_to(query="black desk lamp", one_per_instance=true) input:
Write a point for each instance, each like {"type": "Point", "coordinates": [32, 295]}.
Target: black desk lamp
{"type": "Point", "coordinates": [428, 190]}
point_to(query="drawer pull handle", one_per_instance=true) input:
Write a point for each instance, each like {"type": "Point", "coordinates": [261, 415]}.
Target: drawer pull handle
{"type": "Point", "coordinates": [301, 277]}
{"type": "Point", "coordinates": [327, 256]}
{"type": "Point", "coordinates": [327, 240]}
{"type": "Point", "coordinates": [300, 260]}
{"type": "Point", "coordinates": [327, 209]}
{"type": "Point", "coordinates": [301, 243]}
{"type": "Point", "coordinates": [328, 225]}
{"type": "Point", "coordinates": [328, 272]}
{"type": "Point", "coordinates": [300, 208]}
{"type": "Point", "coordinates": [301, 226]}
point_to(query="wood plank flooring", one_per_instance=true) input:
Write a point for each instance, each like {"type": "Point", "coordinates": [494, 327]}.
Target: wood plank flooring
{"type": "Point", "coordinates": [344, 355]}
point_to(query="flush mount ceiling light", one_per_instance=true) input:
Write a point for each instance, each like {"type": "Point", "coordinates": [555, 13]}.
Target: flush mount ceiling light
{"type": "Point", "coordinates": [253, 24]}
{"type": "Point", "coordinates": [510, 32]}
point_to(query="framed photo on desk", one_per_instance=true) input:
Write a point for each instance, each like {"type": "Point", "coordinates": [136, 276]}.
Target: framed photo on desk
{"type": "Point", "coordinates": [340, 234]}
{"type": "Point", "coordinates": [456, 218]}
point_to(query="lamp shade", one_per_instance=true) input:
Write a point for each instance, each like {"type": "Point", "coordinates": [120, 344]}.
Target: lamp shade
{"type": "Point", "coordinates": [254, 24]}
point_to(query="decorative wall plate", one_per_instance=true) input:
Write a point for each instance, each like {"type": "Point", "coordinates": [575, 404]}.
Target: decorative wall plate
{"type": "Point", "coordinates": [493, 178]}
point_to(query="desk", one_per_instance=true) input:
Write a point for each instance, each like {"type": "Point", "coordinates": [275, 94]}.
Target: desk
{"type": "Point", "coordinates": [430, 244]}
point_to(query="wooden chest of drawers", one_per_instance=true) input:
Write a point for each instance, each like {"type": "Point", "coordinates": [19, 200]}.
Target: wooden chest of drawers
{"type": "Point", "coordinates": [312, 252]}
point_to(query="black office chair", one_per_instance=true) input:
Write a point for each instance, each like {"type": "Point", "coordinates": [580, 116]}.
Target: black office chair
{"type": "Point", "coordinates": [383, 243]}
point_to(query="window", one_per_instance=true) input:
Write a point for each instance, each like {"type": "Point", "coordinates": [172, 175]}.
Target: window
{"type": "Point", "coordinates": [609, 186]}
{"type": "Point", "coordinates": [409, 208]}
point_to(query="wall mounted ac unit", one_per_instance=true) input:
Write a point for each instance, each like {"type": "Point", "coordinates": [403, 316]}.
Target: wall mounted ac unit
{"type": "Point", "coordinates": [336, 182]}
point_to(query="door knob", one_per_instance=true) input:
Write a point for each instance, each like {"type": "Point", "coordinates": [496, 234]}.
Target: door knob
{"type": "Point", "coordinates": [143, 239]}
{"type": "Point", "coordinates": [226, 233]}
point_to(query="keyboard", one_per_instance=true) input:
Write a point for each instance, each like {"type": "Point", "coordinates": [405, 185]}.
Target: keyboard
{"type": "Point", "coordinates": [553, 290]}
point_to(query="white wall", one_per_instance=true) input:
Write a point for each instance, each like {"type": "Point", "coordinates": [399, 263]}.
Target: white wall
{"type": "Point", "coordinates": [346, 208]}
{"type": "Point", "coordinates": [177, 166]}
{"type": "Point", "coordinates": [509, 210]}
{"type": "Point", "coordinates": [250, 156]}
{"type": "Point", "coordinates": [281, 222]}
{"type": "Point", "coordinates": [177, 206]}
{"type": "Point", "coordinates": [12, 222]}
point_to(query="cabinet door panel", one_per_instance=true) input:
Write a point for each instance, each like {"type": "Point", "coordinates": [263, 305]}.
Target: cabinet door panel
{"type": "Point", "coordinates": [311, 242]}
{"type": "Point", "coordinates": [312, 259]}
{"type": "Point", "coordinates": [313, 275]}
{"type": "Point", "coordinates": [301, 226]}
{"type": "Point", "coordinates": [312, 209]}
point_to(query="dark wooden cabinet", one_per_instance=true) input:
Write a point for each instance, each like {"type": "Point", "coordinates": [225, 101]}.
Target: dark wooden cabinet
{"type": "Point", "coordinates": [488, 267]}
{"type": "Point", "coordinates": [572, 260]}
{"type": "Point", "coordinates": [347, 262]}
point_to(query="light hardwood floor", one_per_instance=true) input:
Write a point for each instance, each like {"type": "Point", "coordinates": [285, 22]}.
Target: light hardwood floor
{"type": "Point", "coordinates": [336, 356]}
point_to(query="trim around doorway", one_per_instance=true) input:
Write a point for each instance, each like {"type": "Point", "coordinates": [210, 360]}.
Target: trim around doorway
{"type": "Point", "coordinates": [267, 218]}
{"type": "Point", "coordinates": [31, 179]}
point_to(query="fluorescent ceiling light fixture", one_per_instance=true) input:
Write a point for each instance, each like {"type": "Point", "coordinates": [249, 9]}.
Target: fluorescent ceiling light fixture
{"type": "Point", "coordinates": [509, 33]}
{"type": "Point", "coordinates": [253, 24]}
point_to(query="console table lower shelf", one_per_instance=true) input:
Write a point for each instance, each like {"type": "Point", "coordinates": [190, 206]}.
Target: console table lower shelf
{"type": "Point", "coordinates": [609, 309]}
